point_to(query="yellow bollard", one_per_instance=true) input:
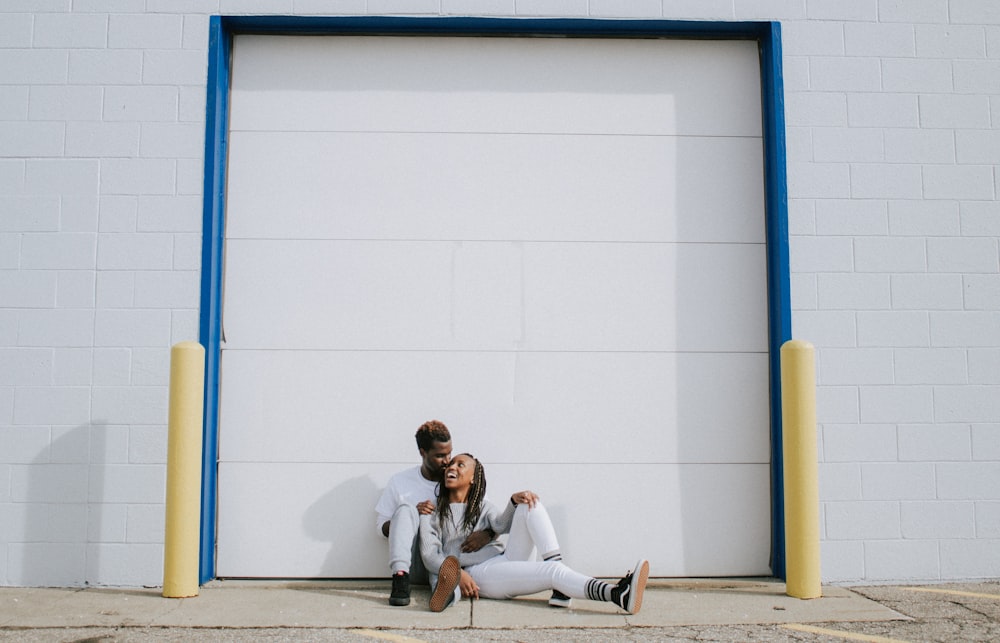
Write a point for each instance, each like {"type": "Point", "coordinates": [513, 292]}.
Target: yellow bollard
{"type": "Point", "coordinates": [801, 486]}
{"type": "Point", "coordinates": [184, 443]}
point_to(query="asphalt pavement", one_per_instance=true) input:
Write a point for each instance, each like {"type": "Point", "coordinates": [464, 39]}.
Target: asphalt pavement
{"type": "Point", "coordinates": [355, 611]}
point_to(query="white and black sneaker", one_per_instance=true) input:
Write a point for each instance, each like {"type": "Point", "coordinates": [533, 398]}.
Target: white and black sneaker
{"type": "Point", "coordinates": [628, 593]}
{"type": "Point", "coordinates": [558, 599]}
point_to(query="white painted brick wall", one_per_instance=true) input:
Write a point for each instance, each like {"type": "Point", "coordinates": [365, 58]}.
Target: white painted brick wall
{"type": "Point", "coordinates": [893, 115]}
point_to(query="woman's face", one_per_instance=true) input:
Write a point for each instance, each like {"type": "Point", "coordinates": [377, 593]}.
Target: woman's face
{"type": "Point", "coordinates": [458, 474]}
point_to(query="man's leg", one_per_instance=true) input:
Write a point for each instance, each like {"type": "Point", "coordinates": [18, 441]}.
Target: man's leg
{"type": "Point", "coordinates": [403, 530]}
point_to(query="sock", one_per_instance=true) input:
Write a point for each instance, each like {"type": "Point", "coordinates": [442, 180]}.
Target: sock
{"type": "Point", "coordinates": [556, 555]}
{"type": "Point", "coordinates": [598, 590]}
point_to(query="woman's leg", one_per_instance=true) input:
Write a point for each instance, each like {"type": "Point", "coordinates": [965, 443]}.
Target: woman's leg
{"type": "Point", "coordinates": [532, 530]}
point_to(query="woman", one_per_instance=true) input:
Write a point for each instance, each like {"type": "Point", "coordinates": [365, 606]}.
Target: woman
{"type": "Point", "coordinates": [462, 508]}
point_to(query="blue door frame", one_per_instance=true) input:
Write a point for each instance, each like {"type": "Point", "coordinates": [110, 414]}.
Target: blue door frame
{"type": "Point", "coordinates": [222, 30]}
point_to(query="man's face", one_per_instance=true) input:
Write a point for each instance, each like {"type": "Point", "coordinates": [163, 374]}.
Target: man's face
{"type": "Point", "coordinates": [436, 458]}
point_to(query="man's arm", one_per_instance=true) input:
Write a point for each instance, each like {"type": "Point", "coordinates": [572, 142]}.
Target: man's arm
{"type": "Point", "coordinates": [478, 539]}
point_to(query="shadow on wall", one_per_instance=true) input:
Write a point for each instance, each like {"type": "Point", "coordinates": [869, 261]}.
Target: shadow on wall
{"type": "Point", "coordinates": [76, 495]}
{"type": "Point", "coordinates": [326, 520]}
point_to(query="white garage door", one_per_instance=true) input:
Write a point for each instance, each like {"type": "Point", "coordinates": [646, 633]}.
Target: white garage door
{"type": "Point", "coordinates": [555, 246]}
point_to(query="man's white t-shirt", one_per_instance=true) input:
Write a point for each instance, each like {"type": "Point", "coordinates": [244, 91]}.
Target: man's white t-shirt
{"type": "Point", "coordinates": [408, 487]}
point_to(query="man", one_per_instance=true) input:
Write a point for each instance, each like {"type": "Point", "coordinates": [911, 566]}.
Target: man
{"type": "Point", "coordinates": [397, 511]}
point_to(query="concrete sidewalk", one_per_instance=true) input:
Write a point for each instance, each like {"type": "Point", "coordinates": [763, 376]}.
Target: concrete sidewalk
{"type": "Point", "coordinates": [363, 604]}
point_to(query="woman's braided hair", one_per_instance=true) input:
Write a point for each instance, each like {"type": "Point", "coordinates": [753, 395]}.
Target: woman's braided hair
{"type": "Point", "coordinates": [473, 502]}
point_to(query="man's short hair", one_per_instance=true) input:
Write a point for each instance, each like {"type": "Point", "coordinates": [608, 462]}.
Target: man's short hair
{"type": "Point", "coordinates": [430, 432]}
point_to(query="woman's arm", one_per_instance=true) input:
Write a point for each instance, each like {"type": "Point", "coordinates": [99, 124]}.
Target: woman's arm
{"type": "Point", "coordinates": [431, 543]}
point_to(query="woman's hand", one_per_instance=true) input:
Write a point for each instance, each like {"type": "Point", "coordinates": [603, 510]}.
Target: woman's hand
{"type": "Point", "coordinates": [469, 587]}
{"type": "Point", "coordinates": [529, 498]}
{"type": "Point", "coordinates": [425, 508]}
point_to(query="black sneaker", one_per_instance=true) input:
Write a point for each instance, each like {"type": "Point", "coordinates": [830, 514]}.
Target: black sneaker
{"type": "Point", "coordinates": [400, 595]}
{"type": "Point", "coordinates": [628, 593]}
{"type": "Point", "coordinates": [558, 599]}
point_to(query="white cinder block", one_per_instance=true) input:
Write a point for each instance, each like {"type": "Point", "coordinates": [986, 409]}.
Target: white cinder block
{"type": "Point", "coordinates": [6, 411]}
{"type": "Point", "coordinates": [130, 405]}
{"type": "Point", "coordinates": [28, 288]}
{"type": "Point", "coordinates": [902, 559]}
{"type": "Point", "coordinates": [127, 483]}
{"type": "Point", "coordinates": [855, 366]}
{"type": "Point", "coordinates": [46, 564]}
{"type": "Point", "coordinates": [933, 292]}
{"type": "Point", "coordinates": [987, 519]}
{"type": "Point", "coordinates": [147, 445]}
{"type": "Point", "coordinates": [859, 442]}
{"type": "Point", "coordinates": [58, 251]}
{"type": "Point", "coordinates": [776, 9]}
{"type": "Point", "coordinates": [964, 255]}
{"type": "Point", "coordinates": [112, 366]}
{"type": "Point", "coordinates": [32, 139]}
{"type": "Point", "coordinates": [85, 139]}
{"type": "Point", "coordinates": [862, 520]}
{"type": "Point", "coordinates": [105, 67]}
{"type": "Point", "coordinates": [970, 558]}
{"type": "Point", "coordinates": [169, 214]}
{"type": "Point", "coordinates": [954, 111]}
{"type": "Point", "coordinates": [195, 29]}
{"type": "Point", "coordinates": [187, 251]}
{"type": "Point", "coordinates": [167, 289]}
{"type": "Point", "coordinates": [625, 8]}
{"type": "Point", "coordinates": [108, 443]}
{"type": "Point", "coordinates": [26, 366]}
{"type": "Point", "coordinates": [934, 442]}
{"type": "Point", "coordinates": [117, 213]}
{"type": "Point", "coordinates": [45, 483]}
{"type": "Point", "coordinates": [919, 146]}
{"type": "Point", "coordinates": [843, 144]}
{"type": "Point", "coordinates": [847, 74]}
{"type": "Point", "coordinates": [72, 366]}
{"type": "Point", "coordinates": [812, 39]}
{"type": "Point", "coordinates": [819, 180]}
{"type": "Point", "coordinates": [15, 32]}
{"type": "Point", "coordinates": [355, 7]}
{"type": "Point", "coordinates": [879, 40]}
{"type": "Point", "coordinates": [132, 328]}
{"type": "Point", "coordinates": [853, 218]}
{"type": "Point", "coordinates": [977, 76]}
{"type": "Point", "coordinates": [145, 31]}
{"type": "Point", "coordinates": [918, 11]}
{"type": "Point", "coordinates": [849, 10]}
{"type": "Point", "coordinates": [70, 445]}
{"type": "Point", "coordinates": [134, 252]}
{"type": "Point", "coordinates": [885, 181]}
{"type": "Point", "coordinates": [138, 176]}
{"type": "Point", "coordinates": [191, 104]}
{"type": "Point", "coordinates": [984, 365]}
{"type": "Point", "coordinates": [184, 325]}
{"type": "Point", "coordinates": [10, 250]}
{"type": "Point", "coordinates": [897, 481]}
{"type": "Point", "coordinates": [896, 328]}
{"type": "Point", "coordinates": [842, 561]}
{"type": "Point", "coordinates": [146, 103]}
{"type": "Point", "coordinates": [964, 329]}
{"type": "Point", "coordinates": [34, 66]}
{"type": "Point", "coordinates": [79, 214]}
{"type": "Point", "coordinates": [14, 103]}
{"type": "Point", "coordinates": [65, 103]}
{"type": "Point", "coordinates": [917, 75]}
{"type": "Point", "coordinates": [821, 254]}
{"type": "Point", "coordinates": [978, 146]}
{"type": "Point", "coordinates": [930, 366]}
{"type": "Point", "coordinates": [106, 523]}
{"type": "Point", "coordinates": [115, 289]}
{"type": "Point", "coordinates": [924, 218]}
{"type": "Point", "coordinates": [838, 404]}
{"type": "Point", "coordinates": [853, 291]}
{"type": "Point", "coordinates": [950, 41]}
{"type": "Point", "coordinates": [52, 328]}
{"type": "Point", "coordinates": [61, 176]}
{"type": "Point", "coordinates": [75, 289]}
{"type": "Point", "coordinates": [51, 405]}
{"type": "Point", "coordinates": [29, 213]}
{"type": "Point", "coordinates": [958, 181]}
{"type": "Point", "coordinates": [190, 177]}
{"type": "Point", "coordinates": [172, 140]}
{"type": "Point", "coordinates": [801, 217]}
{"type": "Point", "coordinates": [804, 296]}
{"type": "Point", "coordinates": [150, 366]}
{"type": "Point", "coordinates": [132, 564]}
{"type": "Point", "coordinates": [897, 404]}
{"type": "Point", "coordinates": [70, 31]}
{"type": "Point", "coordinates": [883, 110]}
{"type": "Point", "coordinates": [839, 482]}
{"type": "Point", "coordinates": [889, 254]}
{"type": "Point", "coordinates": [24, 445]}
{"type": "Point", "coordinates": [174, 67]}
{"type": "Point", "coordinates": [826, 328]}
{"type": "Point", "coordinates": [145, 523]}
{"type": "Point", "coordinates": [819, 109]}
{"type": "Point", "coordinates": [966, 403]}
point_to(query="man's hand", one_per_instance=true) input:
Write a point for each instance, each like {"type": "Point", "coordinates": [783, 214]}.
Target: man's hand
{"type": "Point", "coordinates": [476, 541]}
{"type": "Point", "coordinates": [425, 508]}
{"type": "Point", "coordinates": [469, 587]}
